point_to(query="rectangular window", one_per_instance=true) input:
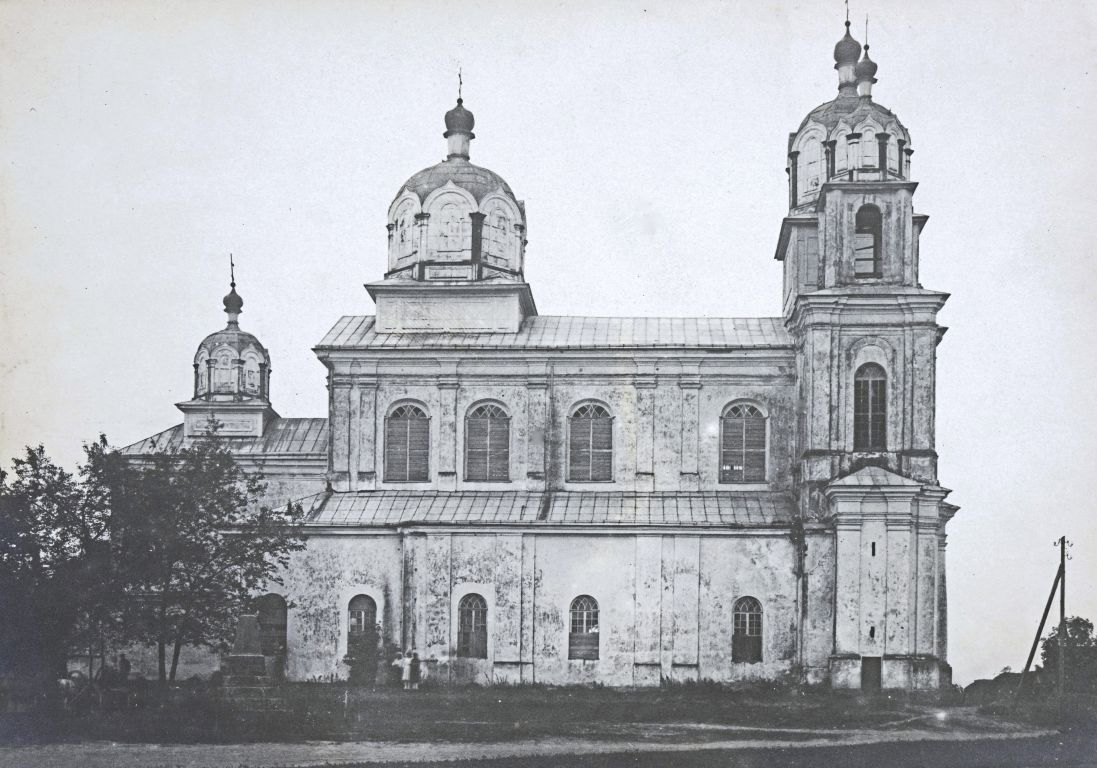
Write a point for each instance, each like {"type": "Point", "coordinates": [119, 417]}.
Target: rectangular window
{"type": "Point", "coordinates": [487, 449]}
{"type": "Point", "coordinates": [407, 450]}
{"type": "Point", "coordinates": [590, 450]}
{"type": "Point", "coordinates": [743, 452]}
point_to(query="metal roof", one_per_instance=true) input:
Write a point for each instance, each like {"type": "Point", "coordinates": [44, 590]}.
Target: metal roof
{"type": "Point", "coordinates": [564, 332]}
{"type": "Point", "coordinates": [694, 509]}
{"type": "Point", "coordinates": [282, 436]}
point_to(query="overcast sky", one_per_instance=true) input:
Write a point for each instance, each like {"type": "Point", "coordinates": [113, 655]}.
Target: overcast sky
{"type": "Point", "coordinates": [141, 142]}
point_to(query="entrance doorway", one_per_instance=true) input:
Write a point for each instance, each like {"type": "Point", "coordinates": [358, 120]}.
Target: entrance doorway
{"type": "Point", "coordinates": [870, 674]}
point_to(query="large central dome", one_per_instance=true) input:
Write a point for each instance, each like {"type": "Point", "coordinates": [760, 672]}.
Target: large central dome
{"type": "Point", "coordinates": [456, 220]}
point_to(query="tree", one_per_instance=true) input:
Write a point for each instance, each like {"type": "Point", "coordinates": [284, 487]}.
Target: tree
{"type": "Point", "coordinates": [1080, 658]}
{"type": "Point", "coordinates": [55, 576]}
{"type": "Point", "coordinates": [193, 542]}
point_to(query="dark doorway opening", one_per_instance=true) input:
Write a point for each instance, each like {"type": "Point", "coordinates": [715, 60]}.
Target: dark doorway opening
{"type": "Point", "coordinates": [870, 673]}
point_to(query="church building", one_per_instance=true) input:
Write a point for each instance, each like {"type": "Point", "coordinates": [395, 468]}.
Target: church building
{"type": "Point", "coordinates": [623, 500]}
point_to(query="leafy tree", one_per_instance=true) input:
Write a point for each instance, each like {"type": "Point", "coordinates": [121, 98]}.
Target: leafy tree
{"type": "Point", "coordinates": [1080, 658]}
{"type": "Point", "coordinates": [193, 543]}
{"type": "Point", "coordinates": [56, 586]}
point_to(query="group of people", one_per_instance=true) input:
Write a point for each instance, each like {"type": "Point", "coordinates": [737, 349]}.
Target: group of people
{"type": "Point", "coordinates": [411, 669]}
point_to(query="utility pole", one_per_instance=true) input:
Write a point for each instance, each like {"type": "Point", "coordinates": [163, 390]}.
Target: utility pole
{"type": "Point", "coordinates": [1060, 583]}
{"type": "Point", "coordinates": [1062, 622]}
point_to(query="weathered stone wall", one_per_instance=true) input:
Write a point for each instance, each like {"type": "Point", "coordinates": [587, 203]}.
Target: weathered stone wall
{"type": "Point", "coordinates": [318, 586]}
{"type": "Point", "coordinates": [665, 602]}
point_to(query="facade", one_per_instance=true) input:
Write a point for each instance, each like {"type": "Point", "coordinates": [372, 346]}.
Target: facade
{"type": "Point", "coordinates": [530, 498]}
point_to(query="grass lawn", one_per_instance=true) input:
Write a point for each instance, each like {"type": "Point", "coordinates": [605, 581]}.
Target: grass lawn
{"type": "Point", "coordinates": [340, 713]}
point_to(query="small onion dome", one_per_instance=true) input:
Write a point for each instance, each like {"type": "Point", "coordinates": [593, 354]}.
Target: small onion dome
{"type": "Point", "coordinates": [847, 51]}
{"type": "Point", "coordinates": [866, 68]}
{"type": "Point", "coordinates": [459, 120]}
{"type": "Point", "coordinates": [233, 303]}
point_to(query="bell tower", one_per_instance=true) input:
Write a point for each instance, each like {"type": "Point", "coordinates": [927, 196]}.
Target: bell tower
{"type": "Point", "coordinates": [866, 334]}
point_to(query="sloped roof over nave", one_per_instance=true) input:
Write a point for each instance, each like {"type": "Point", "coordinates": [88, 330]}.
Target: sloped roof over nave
{"type": "Point", "coordinates": [574, 332]}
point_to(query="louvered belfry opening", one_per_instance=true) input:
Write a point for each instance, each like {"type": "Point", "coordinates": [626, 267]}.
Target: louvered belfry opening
{"type": "Point", "coordinates": [746, 639]}
{"type": "Point", "coordinates": [866, 242]}
{"type": "Point", "coordinates": [870, 408]}
{"type": "Point", "coordinates": [407, 445]}
{"type": "Point", "coordinates": [487, 444]}
{"type": "Point", "coordinates": [743, 445]}
{"type": "Point", "coordinates": [472, 627]}
{"type": "Point", "coordinates": [590, 444]}
{"type": "Point", "coordinates": [583, 634]}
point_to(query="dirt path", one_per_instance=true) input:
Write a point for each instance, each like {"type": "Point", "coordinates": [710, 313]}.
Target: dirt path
{"type": "Point", "coordinates": [268, 755]}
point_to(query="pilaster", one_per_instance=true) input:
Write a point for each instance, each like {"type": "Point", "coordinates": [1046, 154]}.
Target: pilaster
{"type": "Point", "coordinates": [689, 387]}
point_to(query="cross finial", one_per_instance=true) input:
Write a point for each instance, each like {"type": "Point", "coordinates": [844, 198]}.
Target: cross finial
{"type": "Point", "coordinates": [847, 12]}
{"type": "Point", "coordinates": [459, 82]}
{"type": "Point", "coordinates": [866, 30]}
{"type": "Point", "coordinates": [232, 272]}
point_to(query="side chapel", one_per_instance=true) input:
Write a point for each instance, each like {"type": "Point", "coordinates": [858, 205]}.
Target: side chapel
{"type": "Point", "coordinates": [563, 499]}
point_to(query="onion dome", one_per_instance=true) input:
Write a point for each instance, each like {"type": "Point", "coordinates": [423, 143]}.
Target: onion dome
{"type": "Point", "coordinates": [459, 120]}
{"type": "Point", "coordinates": [232, 301]}
{"type": "Point", "coordinates": [231, 363]}
{"type": "Point", "coordinates": [847, 51]}
{"type": "Point", "coordinates": [866, 68]}
{"type": "Point", "coordinates": [479, 182]}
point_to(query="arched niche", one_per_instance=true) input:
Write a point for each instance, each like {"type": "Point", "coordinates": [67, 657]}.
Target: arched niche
{"type": "Point", "coordinates": [253, 371]}
{"type": "Point", "coordinates": [449, 229]}
{"type": "Point", "coordinates": [500, 239]}
{"type": "Point", "coordinates": [403, 240]}
{"type": "Point", "coordinates": [870, 152]}
{"type": "Point", "coordinates": [810, 170]}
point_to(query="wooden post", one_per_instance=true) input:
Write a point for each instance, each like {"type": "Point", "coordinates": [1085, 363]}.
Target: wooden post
{"type": "Point", "coordinates": [1039, 631]}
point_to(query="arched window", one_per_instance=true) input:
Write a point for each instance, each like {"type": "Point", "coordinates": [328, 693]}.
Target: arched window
{"type": "Point", "coordinates": [590, 444]}
{"type": "Point", "coordinates": [870, 408]}
{"type": "Point", "coordinates": [271, 609]}
{"type": "Point", "coordinates": [742, 445]}
{"type": "Point", "coordinates": [407, 445]}
{"type": "Point", "coordinates": [487, 444]}
{"type": "Point", "coordinates": [746, 638]}
{"type": "Point", "coordinates": [583, 633]}
{"type": "Point", "coordinates": [866, 242]}
{"type": "Point", "coordinates": [362, 626]}
{"type": "Point", "coordinates": [472, 627]}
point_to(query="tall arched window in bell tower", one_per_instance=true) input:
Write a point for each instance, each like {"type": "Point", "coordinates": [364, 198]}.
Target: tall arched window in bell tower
{"type": "Point", "coordinates": [867, 242]}
{"type": "Point", "coordinates": [870, 408]}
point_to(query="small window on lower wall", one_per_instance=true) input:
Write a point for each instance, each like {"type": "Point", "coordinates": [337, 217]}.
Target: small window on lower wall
{"type": "Point", "coordinates": [746, 639]}
{"type": "Point", "coordinates": [472, 627]}
{"type": "Point", "coordinates": [583, 637]}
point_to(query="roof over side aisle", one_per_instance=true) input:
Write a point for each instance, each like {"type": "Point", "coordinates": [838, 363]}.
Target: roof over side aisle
{"type": "Point", "coordinates": [564, 332]}
{"type": "Point", "coordinates": [697, 509]}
